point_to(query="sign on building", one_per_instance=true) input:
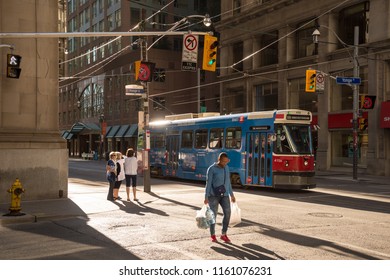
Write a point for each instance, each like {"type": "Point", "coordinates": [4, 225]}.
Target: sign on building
{"type": "Point", "coordinates": [190, 52]}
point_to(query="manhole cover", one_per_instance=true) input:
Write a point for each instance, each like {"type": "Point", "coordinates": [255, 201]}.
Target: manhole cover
{"type": "Point", "coordinates": [326, 215]}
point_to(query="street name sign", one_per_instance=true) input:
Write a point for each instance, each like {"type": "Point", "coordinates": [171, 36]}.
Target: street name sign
{"type": "Point", "coordinates": [134, 90]}
{"type": "Point", "coordinates": [348, 80]}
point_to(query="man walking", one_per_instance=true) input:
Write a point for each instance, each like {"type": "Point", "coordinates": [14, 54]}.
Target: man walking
{"type": "Point", "coordinates": [217, 192]}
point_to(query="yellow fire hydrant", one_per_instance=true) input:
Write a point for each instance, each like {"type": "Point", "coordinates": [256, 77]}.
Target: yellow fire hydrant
{"type": "Point", "coordinates": [16, 191]}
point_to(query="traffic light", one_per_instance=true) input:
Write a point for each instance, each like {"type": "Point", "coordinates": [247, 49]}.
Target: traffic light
{"type": "Point", "coordinates": [13, 66]}
{"type": "Point", "coordinates": [137, 65]}
{"type": "Point", "coordinates": [363, 124]}
{"type": "Point", "coordinates": [210, 53]}
{"type": "Point", "coordinates": [310, 80]}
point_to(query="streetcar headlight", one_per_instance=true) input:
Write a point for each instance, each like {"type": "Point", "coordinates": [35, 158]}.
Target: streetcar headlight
{"type": "Point", "coordinates": [305, 163]}
{"type": "Point", "coordinates": [286, 163]}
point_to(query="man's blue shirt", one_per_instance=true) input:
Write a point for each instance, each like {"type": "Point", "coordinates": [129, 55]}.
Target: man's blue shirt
{"type": "Point", "coordinates": [217, 176]}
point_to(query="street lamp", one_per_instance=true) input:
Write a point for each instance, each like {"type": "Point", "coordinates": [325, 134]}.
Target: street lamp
{"type": "Point", "coordinates": [176, 25]}
{"type": "Point", "coordinates": [355, 88]}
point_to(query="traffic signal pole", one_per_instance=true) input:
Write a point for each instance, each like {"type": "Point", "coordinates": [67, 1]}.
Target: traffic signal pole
{"type": "Point", "coordinates": [355, 104]}
{"type": "Point", "coordinates": [145, 150]}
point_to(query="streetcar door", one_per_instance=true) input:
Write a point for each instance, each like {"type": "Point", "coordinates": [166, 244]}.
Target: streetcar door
{"type": "Point", "coordinates": [258, 161]}
{"type": "Point", "coordinates": [267, 158]}
{"type": "Point", "coordinates": [172, 158]}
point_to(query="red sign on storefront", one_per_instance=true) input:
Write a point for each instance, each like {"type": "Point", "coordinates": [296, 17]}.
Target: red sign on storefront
{"type": "Point", "coordinates": [342, 120]}
{"type": "Point", "coordinates": [385, 114]}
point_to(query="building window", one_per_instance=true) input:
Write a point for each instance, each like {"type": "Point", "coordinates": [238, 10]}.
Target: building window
{"type": "Point", "coordinates": [101, 6]}
{"type": "Point", "coordinates": [111, 22]}
{"type": "Point", "coordinates": [234, 101]}
{"type": "Point", "coordinates": [238, 55]}
{"type": "Point", "coordinates": [304, 39]}
{"type": "Point", "coordinates": [269, 46]}
{"type": "Point", "coordinates": [102, 48]}
{"type": "Point", "coordinates": [88, 57]}
{"type": "Point", "coordinates": [350, 17]}
{"type": "Point", "coordinates": [101, 26]}
{"type": "Point", "coordinates": [236, 7]}
{"type": "Point", "coordinates": [266, 97]}
{"type": "Point", "coordinates": [94, 10]}
{"type": "Point", "coordinates": [110, 49]}
{"type": "Point", "coordinates": [118, 19]}
{"type": "Point", "coordinates": [134, 16]}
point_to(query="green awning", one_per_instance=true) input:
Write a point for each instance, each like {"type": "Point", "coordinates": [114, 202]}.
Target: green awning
{"type": "Point", "coordinates": [87, 127]}
{"type": "Point", "coordinates": [122, 130]}
{"type": "Point", "coordinates": [132, 131]}
{"type": "Point", "coordinates": [67, 135]}
{"type": "Point", "coordinates": [64, 134]}
{"type": "Point", "coordinates": [111, 133]}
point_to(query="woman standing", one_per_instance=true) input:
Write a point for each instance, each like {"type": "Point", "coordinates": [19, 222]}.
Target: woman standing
{"type": "Point", "coordinates": [131, 166]}
{"type": "Point", "coordinates": [111, 175]}
{"type": "Point", "coordinates": [120, 174]}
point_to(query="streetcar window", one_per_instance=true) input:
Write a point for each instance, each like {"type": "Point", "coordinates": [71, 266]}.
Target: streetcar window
{"type": "Point", "coordinates": [233, 138]}
{"type": "Point", "coordinates": [186, 139]}
{"type": "Point", "coordinates": [201, 139]}
{"type": "Point", "coordinates": [292, 139]}
{"type": "Point", "coordinates": [300, 138]}
{"type": "Point", "coordinates": [157, 140]}
{"type": "Point", "coordinates": [216, 138]}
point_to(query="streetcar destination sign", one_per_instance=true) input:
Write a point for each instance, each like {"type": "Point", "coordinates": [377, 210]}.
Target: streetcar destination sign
{"type": "Point", "coordinates": [348, 80]}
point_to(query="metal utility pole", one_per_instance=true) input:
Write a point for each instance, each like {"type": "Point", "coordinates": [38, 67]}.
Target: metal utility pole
{"type": "Point", "coordinates": [355, 103]}
{"type": "Point", "coordinates": [145, 151]}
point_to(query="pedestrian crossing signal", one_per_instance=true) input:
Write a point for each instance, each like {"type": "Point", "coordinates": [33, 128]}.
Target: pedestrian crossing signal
{"type": "Point", "coordinates": [13, 66]}
{"type": "Point", "coordinates": [311, 80]}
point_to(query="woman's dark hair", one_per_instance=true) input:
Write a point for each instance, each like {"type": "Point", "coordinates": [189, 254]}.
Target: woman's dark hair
{"type": "Point", "coordinates": [130, 152]}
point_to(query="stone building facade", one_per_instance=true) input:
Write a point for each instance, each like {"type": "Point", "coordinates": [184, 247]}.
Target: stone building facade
{"type": "Point", "coordinates": [266, 47]}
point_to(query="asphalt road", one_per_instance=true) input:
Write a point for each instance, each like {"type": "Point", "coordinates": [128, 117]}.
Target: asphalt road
{"type": "Point", "coordinates": [339, 220]}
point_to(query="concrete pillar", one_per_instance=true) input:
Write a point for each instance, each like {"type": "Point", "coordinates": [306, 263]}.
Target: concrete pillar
{"type": "Point", "coordinates": [31, 147]}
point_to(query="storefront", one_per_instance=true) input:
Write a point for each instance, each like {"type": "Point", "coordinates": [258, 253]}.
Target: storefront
{"type": "Point", "coordinates": [340, 128]}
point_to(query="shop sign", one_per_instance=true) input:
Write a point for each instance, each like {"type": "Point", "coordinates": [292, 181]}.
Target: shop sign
{"type": "Point", "coordinates": [385, 114]}
{"type": "Point", "coordinates": [342, 120]}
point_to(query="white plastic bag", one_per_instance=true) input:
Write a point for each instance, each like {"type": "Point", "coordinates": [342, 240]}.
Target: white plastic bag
{"type": "Point", "coordinates": [204, 217]}
{"type": "Point", "coordinates": [235, 217]}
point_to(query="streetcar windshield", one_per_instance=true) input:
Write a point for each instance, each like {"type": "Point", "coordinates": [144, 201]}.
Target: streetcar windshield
{"type": "Point", "coordinates": [292, 139]}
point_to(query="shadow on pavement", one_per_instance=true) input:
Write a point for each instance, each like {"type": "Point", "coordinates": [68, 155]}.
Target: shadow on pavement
{"type": "Point", "coordinates": [63, 237]}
